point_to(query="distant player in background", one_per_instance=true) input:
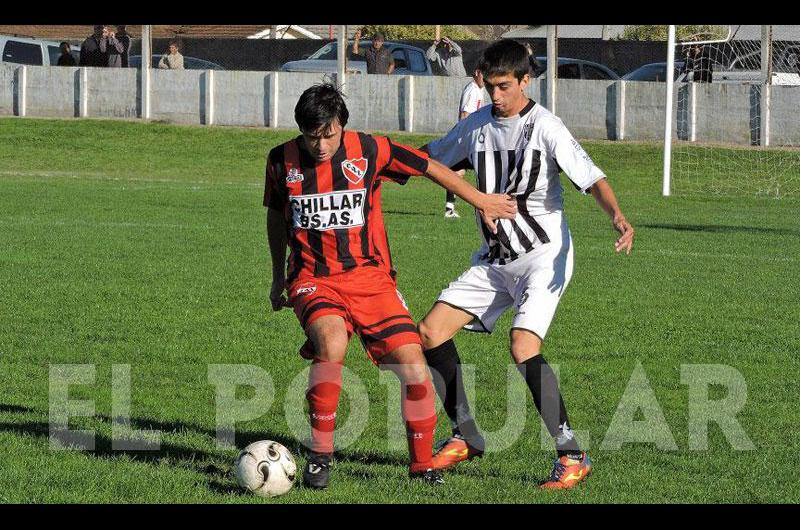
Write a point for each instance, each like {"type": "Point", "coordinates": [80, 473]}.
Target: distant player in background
{"type": "Point", "coordinates": [516, 147]}
{"type": "Point", "coordinates": [472, 99]}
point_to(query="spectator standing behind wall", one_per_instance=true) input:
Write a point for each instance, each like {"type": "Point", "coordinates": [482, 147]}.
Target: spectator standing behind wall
{"type": "Point", "coordinates": [66, 58]}
{"type": "Point", "coordinates": [125, 40]}
{"type": "Point", "coordinates": [114, 48]}
{"type": "Point", "coordinates": [94, 48]}
{"type": "Point", "coordinates": [173, 60]}
{"type": "Point", "coordinates": [536, 67]}
{"type": "Point", "coordinates": [698, 60]}
{"type": "Point", "coordinates": [379, 58]}
{"type": "Point", "coordinates": [446, 55]}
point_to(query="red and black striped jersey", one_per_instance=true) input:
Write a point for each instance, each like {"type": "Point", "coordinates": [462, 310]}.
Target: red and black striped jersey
{"type": "Point", "coordinates": [333, 208]}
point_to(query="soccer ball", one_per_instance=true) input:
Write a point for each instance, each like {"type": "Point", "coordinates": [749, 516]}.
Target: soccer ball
{"type": "Point", "coordinates": [266, 468]}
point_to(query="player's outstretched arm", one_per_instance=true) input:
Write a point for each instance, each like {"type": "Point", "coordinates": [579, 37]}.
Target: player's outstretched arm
{"type": "Point", "coordinates": [277, 239]}
{"type": "Point", "coordinates": [490, 206]}
{"type": "Point", "coordinates": [604, 195]}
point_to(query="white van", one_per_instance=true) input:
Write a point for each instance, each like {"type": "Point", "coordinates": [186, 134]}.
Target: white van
{"type": "Point", "coordinates": [24, 50]}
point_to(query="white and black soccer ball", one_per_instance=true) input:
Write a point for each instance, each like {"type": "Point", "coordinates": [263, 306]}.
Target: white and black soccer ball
{"type": "Point", "coordinates": [266, 468]}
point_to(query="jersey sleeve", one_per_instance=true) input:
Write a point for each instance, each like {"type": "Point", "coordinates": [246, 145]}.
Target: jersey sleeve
{"type": "Point", "coordinates": [452, 150]}
{"type": "Point", "coordinates": [571, 157]}
{"type": "Point", "coordinates": [469, 101]}
{"type": "Point", "coordinates": [275, 196]}
{"type": "Point", "coordinates": [402, 162]}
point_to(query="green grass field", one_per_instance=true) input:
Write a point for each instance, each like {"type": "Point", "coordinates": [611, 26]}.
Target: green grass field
{"type": "Point", "coordinates": [144, 245]}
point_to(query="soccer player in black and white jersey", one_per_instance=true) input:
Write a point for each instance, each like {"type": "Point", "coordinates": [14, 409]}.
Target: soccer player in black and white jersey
{"type": "Point", "coordinates": [517, 147]}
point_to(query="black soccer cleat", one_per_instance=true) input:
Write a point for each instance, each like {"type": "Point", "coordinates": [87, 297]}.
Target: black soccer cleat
{"type": "Point", "coordinates": [317, 472]}
{"type": "Point", "coordinates": [430, 476]}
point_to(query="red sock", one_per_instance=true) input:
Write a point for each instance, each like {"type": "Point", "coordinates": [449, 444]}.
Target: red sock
{"type": "Point", "coordinates": [419, 412]}
{"type": "Point", "coordinates": [324, 386]}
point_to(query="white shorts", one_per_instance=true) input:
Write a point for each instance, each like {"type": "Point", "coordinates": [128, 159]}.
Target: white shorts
{"type": "Point", "coordinates": [532, 283]}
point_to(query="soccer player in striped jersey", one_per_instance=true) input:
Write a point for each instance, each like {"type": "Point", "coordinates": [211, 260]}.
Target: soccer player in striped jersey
{"type": "Point", "coordinates": [518, 147]}
{"type": "Point", "coordinates": [323, 194]}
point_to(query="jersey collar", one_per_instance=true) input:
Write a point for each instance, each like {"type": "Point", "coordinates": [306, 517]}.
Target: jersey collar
{"type": "Point", "coordinates": [526, 109]}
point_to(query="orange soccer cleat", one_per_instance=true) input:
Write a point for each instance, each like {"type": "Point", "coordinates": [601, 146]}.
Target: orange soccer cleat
{"type": "Point", "coordinates": [453, 451]}
{"type": "Point", "coordinates": [568, 472]}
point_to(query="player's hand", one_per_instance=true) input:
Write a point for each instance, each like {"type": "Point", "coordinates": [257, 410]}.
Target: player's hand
{"type": "Point", "coordinates": [497, 206]}
{"type": "Point", "coordinates": [276, 296]}
{"type": "Point", "coordinates": [625, 241]}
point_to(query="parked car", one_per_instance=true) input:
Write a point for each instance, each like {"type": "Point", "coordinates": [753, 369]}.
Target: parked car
{"type": "Point", "coordinates": [36, 52]}
{"type": "Point", "coordinates": [189, 63]}
{"type": "Point", "coordinates": [656, 72]}
{"type": "Point", "coordinates": [747, 68]}
{"type": "Point", "coordinates": [569, 68]}
{"type": "Point", "coordinates": [733, 73]}
{"type": "Point", "coordinates": [408, 60]}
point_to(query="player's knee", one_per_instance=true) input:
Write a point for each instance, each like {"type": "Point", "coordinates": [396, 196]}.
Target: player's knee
{"type": "Point", "coordinates": [524, 345]}
{"type": "Point", "coordinates": [409, 364]}
{"type": "Point", "coordinates": [332, 347]}
{"type": "Point", "coordinates": [414, 374]}
{"type": "Point", "coordinates": [431, 337]}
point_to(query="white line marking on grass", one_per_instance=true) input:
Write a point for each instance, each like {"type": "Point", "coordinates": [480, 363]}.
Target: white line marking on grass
{"type": "Point", "coordinates": [99, 176]}
{"type": "Point", "coordinates": [114, 224]}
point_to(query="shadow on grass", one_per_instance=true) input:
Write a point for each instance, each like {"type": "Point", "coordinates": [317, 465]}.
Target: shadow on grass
{"type": "Point", "coordinates": [413, 212]}
{"type": "Point", "coordinates": [722, 229]}
{"type": "Point", "coordinates": [16, 409]}
{"type": "Point", "coordinates": [216, 465]}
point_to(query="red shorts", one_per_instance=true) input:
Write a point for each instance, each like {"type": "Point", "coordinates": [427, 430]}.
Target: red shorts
{"type": "Point", "coordinates": [369, 302]}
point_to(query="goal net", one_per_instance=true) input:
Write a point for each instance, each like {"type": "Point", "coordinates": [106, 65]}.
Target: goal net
{"type": "Point", "coordinates": [733, 131]}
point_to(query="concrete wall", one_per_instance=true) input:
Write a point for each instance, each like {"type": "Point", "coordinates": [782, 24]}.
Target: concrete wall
{"type": "Point", "coordinates": [241, 98]}
{"type": "Point", "coordinates": [376, 102]}
{"type": "Point", "coordinates": [591, 109]}
{"type": "Point", "coordinates": [588, 109]}
{"type": "Point", "coordinates": [112, 93]}
{"type": "Point", "coordinates": [436, 100]}
{"type": "Point", "coordinates": [178, 96]}
{"type": "Point", "coordinates": [290, 86]}
{"type": "Point", "coordinates": [7, 89]}
{"type": "Point", "coordinates": [53, 92]}
{"type": "Point", "coordinates": [644, 111]}
{"type": "Point", "coordinates": [725, 112]}
{"type": "Point", "coordinates": [785, 107]}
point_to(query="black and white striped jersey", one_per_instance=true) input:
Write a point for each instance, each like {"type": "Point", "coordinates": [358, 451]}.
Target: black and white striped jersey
{"type": "Point", "coordinates": [522, 156]}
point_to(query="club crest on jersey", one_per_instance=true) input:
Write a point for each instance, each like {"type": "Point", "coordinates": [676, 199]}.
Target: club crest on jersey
{"type": "Point", "coordinates": [294, 176]}
{"type": "Point", "coordinates": [355, 169]}
{"type": "Point", "coordinates": [308, 288]}
{"type": "Point", "coordinates": [527, 131]}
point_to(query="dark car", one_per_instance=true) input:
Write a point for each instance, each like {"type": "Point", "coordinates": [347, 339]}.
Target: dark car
{"type": "Point", "coordinates": [189, 63]}
{"type": "Point", "coordinates": [656, 72]}
{"type": "Point", "coordinates": [408, 60]}
{"type": "Point", "coordinates": [569, 68]}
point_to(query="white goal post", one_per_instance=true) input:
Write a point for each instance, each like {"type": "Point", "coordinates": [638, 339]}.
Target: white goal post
{"type": "Point", "coordinates": [712, 142]}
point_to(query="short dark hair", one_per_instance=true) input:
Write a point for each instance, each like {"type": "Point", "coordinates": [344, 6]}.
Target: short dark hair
{"type": "Point", "coordinates": [379, 36]}
{"type": "Point", "coordinates": [319, 106]}
{"type": "Point", "coordinates": [505, 57]}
